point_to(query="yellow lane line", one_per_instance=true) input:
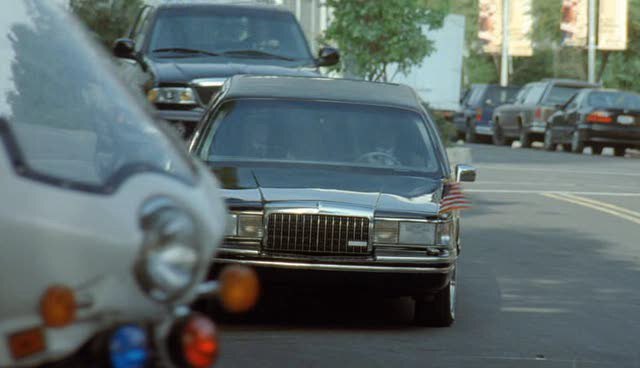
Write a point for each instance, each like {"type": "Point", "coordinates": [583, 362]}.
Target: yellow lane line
{"type": "Point", "coordinates": [580, 202]}
{"type": "Point", "coordinates": [604, 204]}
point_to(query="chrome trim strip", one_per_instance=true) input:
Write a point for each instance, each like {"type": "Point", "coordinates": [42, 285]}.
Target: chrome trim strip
{"type": "Point", "coordinates": [209, 82]}
{"type": "Point", "coordinates": [423, 260]}
{"type": "Point", "coordinates": [384, 246]}
{"type": "Point", "coordinates": [430, 221]}
{"type": "Point", "coordinates": [338, 267]}
{"type": "Point", "coordinates": [239, 252]}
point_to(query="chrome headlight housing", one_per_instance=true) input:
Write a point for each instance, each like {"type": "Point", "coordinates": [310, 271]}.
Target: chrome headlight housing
{"type": "Point", "coordinates": [241, 225]}
{"type": "Point", "coordinates": [169, 262]}
{"type": "Point", "coordinates": [172, 96]}
{"type": "Point", "coordinates": [427, 233]}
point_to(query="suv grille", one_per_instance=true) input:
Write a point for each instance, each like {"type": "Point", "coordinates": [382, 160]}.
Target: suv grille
{"type": "Point", "coordinates": [317, 234]}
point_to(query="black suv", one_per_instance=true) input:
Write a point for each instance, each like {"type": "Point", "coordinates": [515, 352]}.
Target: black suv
{"type": "Point", "coordinates": [179, 55]}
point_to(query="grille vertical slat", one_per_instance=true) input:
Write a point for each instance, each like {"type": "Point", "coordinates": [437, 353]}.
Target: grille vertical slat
{"type": "Point", "coordinates": [317, 234]}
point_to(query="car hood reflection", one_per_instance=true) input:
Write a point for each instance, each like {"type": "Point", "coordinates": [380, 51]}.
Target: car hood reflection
{"type": "Point", "coordinates": [387, 193]}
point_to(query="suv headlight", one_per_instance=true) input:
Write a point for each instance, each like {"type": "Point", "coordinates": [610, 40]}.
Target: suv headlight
{"type": "Point", "coordinates": [413, 233]}
{"type": "Point", "coordinates": [169, 262]}
{"type": "Point", "coordinates": [172, 95]}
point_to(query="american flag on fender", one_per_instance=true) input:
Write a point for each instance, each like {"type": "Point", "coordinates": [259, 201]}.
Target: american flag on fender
{"type": "Point", "coordinates": [453, 199]}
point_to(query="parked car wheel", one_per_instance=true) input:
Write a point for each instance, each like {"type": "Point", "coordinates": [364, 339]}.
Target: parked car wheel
{"type": "Point", "coordinates": [596, 149]}
{"type": "Point", "coordinates": [438, 311]}
{"type": "Point", "coordinates": [498, 135]}
{"type": "Point", "coordinates": [525, 138]}
{"type": "Point", "coordinates": [577, 142]}
{"type": "Point", "coordinates": [549, 145]}
{"type": "Point", "coordinates": [619, 151]}
{"type": "Point", "coordinates": [470, 134]}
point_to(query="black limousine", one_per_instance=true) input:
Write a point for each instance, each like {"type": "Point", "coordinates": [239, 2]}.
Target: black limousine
{"type": "Point", "coordinates": [338, 181]}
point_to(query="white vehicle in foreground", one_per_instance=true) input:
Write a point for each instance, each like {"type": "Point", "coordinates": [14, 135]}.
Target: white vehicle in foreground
{"type": "Point", "coordinates": [107, 227]}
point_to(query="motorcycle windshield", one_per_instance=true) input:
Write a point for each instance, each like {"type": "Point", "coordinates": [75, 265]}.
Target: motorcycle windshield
{"type": "Point", "coordinates": [64, 117]}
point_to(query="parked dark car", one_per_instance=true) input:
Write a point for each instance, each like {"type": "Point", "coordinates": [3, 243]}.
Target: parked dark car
{"type": "Point", "coordinates": [337, 182]}
{"type": "Point", "coordinates": [179, 55]}
{"type": "Point", "coordinates": [474, 120]}
{"type": "Point", "coordinates": [525, 119]}
{"type": "Point", "coordinates": [596, 118]}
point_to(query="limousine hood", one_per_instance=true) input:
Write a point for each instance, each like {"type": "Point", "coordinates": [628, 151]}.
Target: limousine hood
{"type": "Point", "coordinates": [386, 193]}
{"type": "Point", "coordinates": [185, 72]}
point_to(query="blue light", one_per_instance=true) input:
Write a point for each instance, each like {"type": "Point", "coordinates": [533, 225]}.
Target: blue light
{"type": "Point", "coordinates": [128, 347]}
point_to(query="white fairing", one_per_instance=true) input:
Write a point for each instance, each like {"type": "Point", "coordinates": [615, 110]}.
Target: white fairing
{"type": "Point", "coordinates": [87, 241]}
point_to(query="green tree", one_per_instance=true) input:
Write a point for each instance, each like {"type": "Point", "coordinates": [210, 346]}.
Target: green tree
{"type": "Point", "coordinates": [108, 19]}
{"type": "Point", "coordinates": [374, 34]}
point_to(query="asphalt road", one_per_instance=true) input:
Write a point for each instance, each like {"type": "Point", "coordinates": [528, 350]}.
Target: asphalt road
{"type": "Point", "coordinates": [549, 277]}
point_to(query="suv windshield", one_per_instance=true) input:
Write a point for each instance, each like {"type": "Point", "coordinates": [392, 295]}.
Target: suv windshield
{"type": "Point", "coordinates": [233, 31]}
{"type": "Point", "coordinates": [68, 118]}
{"type": "Point", "coordinates": [320, 133]}
{"type": "Point", "coordinates": [614, 100]}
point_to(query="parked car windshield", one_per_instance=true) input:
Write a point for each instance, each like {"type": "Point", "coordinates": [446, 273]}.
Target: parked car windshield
{"type": "Point", "coordinates": [560, 95]}
{"type": "Point", "coordinates": [68, 118]}
{"type": "Point", "coordinates": [230, 30]}
{"type": "Point", "coordinates": [321, 133]}
{"type": "Point", "coordinates": [614, 100]}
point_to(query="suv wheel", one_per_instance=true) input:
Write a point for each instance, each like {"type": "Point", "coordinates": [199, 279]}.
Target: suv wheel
{"type": "Point", "coordinates": [549, 145]}
{"type": "Point", "coordinates": [619, 151]}
{"type": "Point", "coordinates": [470, 134]}
{"type": "Point", "coordinates": [577, 142]}
{"type": "Point", "coordinates": [438, 311]}
{"type": "Point", "coordinates": [525, 138]}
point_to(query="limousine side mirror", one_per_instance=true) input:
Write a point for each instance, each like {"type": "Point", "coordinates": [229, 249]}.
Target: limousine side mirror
{"type": "Point", "coordinates": [328, 56]}
{"type": "Point", "coordinates": [124, 48]}
{"type": "Point", "coordinates": [465, 173]}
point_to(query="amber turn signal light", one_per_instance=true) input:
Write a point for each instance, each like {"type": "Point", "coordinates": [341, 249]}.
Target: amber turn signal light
{"type": "Point", "coordinates": [27, 343]}
{"type": "Point", "coordinates": [239, 288]}
{"type": "Point", "coordinates": [58, 306]}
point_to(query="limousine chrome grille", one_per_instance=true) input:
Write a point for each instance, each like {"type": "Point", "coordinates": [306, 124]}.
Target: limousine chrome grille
{"type": "Point", "coordinates": [317, 234]}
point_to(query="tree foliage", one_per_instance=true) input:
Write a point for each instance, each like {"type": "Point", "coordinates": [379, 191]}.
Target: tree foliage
{"type": "Point", "coordinates": [108, 19]}
{"type": "Point", "coordinates": [374, 34]}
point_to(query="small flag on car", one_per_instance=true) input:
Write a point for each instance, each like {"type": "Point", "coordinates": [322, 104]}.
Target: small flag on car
{"type": "Point", "coordinates": [453, 199]}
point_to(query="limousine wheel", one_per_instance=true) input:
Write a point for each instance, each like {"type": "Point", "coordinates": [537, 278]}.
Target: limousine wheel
{"type": "Point", "coordinates": [439, 310]}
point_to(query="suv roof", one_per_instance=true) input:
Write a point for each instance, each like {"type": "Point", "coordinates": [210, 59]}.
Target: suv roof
{"type": "Point", "coordinates": [328, 89]}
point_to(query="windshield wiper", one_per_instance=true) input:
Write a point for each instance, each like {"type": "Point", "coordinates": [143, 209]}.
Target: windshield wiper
{"type": "Point", "coordinates": [257, 53]}
{"type": "Point", "coordinates": [186, 51]}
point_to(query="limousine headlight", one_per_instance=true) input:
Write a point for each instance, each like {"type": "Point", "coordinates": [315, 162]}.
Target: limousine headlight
{"type": "Point", "coordinates": [413, 233]}
{"type": "Point", "coordinates": [245, 226]}
{"type": "Point", "coordinates": [172, 95]}
{"type": "Point", "coordinates": [168, 264]}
